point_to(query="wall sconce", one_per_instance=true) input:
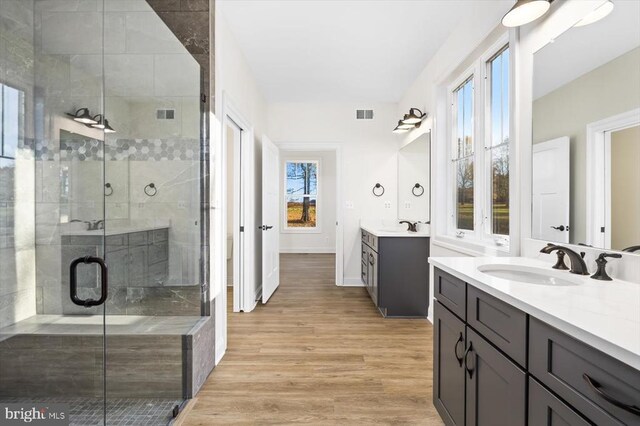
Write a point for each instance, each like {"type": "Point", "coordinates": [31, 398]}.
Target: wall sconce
{"type": "Point", "coordinates": [410, 121]}
{"type": "Point", "coordinates": [98, 121]}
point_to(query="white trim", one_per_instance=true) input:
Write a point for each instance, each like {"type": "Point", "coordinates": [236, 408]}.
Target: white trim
{"type": "Point", "coordinates": [479, 237]}
{"type": "Point", "coordinates": [337, 147]}
{"type": "Point", "coordinates": [353, 282]}
{"type": "Point", "coordinates": [285, 228]}
{"type": "Point", "coordinates": [599, 174]}
{"type": "Point", "coordinates": [304, 250]}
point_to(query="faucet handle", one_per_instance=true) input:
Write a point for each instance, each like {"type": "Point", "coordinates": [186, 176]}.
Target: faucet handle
{"type": "Point", "coordinates": [601, 261]}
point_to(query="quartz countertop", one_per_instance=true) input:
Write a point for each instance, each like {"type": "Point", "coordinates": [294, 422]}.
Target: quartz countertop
{"type": "Point", "coordinates": [115, 229]}
{"type": "Point", "coordinates": [603, 314]}
{"type": "Point", "coordinates": [423, 231]}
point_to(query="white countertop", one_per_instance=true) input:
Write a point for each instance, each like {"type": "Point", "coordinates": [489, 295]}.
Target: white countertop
{"type": "Point", "coordinates": [115, 230]}
{"type": "Point", "coordinates": [423, 231]}
{"type": "Point", "coordinates": [603, 314]}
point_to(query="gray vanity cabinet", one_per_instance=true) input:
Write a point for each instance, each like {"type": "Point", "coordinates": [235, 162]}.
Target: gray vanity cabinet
{"type": "Point", "coordinates": [519, 370]}
{"type": "Point", "coordinates": [395, 271]}
{"type": "Point", "coordinates": [474, 390]}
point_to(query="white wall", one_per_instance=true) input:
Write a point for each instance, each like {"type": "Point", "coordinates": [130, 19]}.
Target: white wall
{"type": "Point", "coordinates": [369, 155]}
{"type": "Point", "coordinates": [236, 86]}
{"type": "Point", "coordinates": [304, 241]}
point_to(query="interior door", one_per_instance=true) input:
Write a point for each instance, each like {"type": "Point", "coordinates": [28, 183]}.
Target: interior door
{"type": "Point", "coordinates": [551, 193]}
{"type": "Point", "coordinates": [270, 218]}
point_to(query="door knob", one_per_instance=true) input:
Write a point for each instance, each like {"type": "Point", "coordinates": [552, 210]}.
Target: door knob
{"type": "Point", "coordinates": [265, 227]}
{"type": "Point", "coordinates": [559, 228]}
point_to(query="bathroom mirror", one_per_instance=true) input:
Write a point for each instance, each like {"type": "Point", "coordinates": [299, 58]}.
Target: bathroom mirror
{"type": "Point", "coordinates": [586, 134]}
{"type": "Point", "coordinates": [413, 180]}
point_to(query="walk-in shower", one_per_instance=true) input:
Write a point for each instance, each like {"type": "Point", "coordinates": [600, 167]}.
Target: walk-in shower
{"type": "Point", "coordinates": [103, 289]}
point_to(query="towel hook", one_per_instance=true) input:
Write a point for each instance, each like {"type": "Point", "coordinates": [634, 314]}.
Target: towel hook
{"type": "Point", "coordinates": [108, 189]}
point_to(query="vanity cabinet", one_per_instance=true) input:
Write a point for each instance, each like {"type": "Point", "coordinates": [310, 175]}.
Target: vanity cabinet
{"type": "Point", "coordinates": [496, 365]}
{"type": "Point", "coordinates": [395, 271]}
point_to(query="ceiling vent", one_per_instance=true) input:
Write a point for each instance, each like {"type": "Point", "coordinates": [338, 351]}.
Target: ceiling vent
{"type": "Point", "coordinates": [364, 114]}
{"type": "Point", "coordinates": [165, 114]}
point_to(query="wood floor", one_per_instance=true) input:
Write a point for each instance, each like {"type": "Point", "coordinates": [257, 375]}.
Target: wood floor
{"type": "Point", "coordinates": [319, 354]}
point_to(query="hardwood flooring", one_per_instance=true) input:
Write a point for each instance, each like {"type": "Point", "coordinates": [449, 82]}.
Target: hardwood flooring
{"type": "Point", "coordinates": [319, 354]}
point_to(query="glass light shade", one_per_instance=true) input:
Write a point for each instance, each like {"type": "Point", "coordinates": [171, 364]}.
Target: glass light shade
{"type": "Point", "coordinates": [525, 11]}
{"type": "Point", "coordinates": [596, 15]}
{"type": "Point", "coordinates": [414, 117]}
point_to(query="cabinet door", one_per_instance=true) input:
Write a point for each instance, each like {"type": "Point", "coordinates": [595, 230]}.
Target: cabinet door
{"type": "Point", "coordinates": [545, 409]}
{"type": "Point", "coordinates": [496, 387]}
{"type": "Point", "coordinates": [448, 372]}
{"type": "Point", "coordinates": [364, 273]}
{"type": "Point", "coordinates": [117, 261]}
{"type": "Point", "coordinates": [373, 279]}
{"type": "Point", "coordinates": [138, 263]}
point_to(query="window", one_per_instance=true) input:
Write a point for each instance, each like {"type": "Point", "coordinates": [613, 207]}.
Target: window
{"type": "Point", "coordinates": [497, 147]}
{"type": "Point", "coordinates": [11, 120]}
{"type": "Point", "coordinates": [479, 149]}
{"type": "Point", "coordinates": [301, 195]}
{"type": "Point", "coordinates": [463, 155]}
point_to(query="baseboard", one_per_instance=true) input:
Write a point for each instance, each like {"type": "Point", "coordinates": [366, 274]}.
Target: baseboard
{"type": "Point", "coordinates": [352, 282]}
{"type": "Point", "coordinates": [220, 350]}
{"type": "Point", "coordinates": [314, 250]}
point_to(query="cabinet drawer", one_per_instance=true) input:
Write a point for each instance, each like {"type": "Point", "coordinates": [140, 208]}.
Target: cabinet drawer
{"type": "Point", "coordinates": [158, 253]}
{"type": "Point", "coordinates": [451, 292]}
{"type": "Point", "coordinates": [159, 235]}
{"type": "Point", "coordinates": [138, 239]}
{"type": "Point", "coordinates": [545, 409]}
{"type": "Point", "coordinates": [565, 365]}
{"type": "Point", "coordinates": [500, 323]}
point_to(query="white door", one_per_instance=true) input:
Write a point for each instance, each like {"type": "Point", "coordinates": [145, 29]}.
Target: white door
{"type": "Point", "coordinates": [270, 218]}
{"type": "Point", "coordinates": [551, 167]}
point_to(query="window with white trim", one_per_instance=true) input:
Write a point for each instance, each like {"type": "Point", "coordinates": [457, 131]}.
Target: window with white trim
{"type": "Point", "coordinates": [479, 150]}
{"type": "Point", "coordinates": [301, 195]}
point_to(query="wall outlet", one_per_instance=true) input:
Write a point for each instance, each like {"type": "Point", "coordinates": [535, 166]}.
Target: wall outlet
{"type": "Point", "coordinates": [182, 205]}
{"type": "Point", "coordinates": [349, 205]}
{"type": "Point", "coordinates": [387, 204]}
{"type": "Point", "coordinates": [407, 205]}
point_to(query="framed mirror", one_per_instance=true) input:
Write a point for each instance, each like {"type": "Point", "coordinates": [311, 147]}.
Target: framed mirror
{"type": "Point", "coordinates": [586, 134]}
{"type": "Point", "coordinates": [414, 180]}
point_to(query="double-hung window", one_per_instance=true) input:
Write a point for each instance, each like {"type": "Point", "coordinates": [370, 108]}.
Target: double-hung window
{"type": "Point", "coordinates": [479, 150]}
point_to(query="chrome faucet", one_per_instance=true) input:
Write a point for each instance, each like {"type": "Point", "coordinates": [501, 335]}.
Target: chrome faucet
{"type": "Point", "coordinates": [411, 226]}
{"type": "Point", "coordinates": [578, 266]}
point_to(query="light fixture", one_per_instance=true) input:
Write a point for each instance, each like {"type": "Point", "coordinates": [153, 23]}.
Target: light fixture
{"type": "Point", "coordinates": [83, 116]}
{"type": "Point", "coordinates": [410, 121]}
{"type": "Point", "coordinates": [401, 128]}
{"type": "Point", "coordinates": [102, 124]}
{"type": "Point", "coordinates": [602, 11]}
{"type": "Point", "coordinates": [525, 11]}
{"type": "Point", "coordinates": [415, 116]}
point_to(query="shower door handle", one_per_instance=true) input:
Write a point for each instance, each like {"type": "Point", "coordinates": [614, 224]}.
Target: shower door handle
{"type": "Point", "coordinates": [73, 284]}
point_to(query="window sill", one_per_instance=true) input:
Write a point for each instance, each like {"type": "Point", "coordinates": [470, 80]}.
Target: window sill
{"type": "Point", "coordinates": [470, 248]}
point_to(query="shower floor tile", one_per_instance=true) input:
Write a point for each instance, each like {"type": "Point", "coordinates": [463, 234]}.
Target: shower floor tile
{"type": "Point", "coordinates": [120, 411]}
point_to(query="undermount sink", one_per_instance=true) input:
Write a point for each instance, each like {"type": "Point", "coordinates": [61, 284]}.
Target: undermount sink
{"type": "Point", "coordinates": [528, 275]}
{"type": "Point", "coordinates": [399, 231]}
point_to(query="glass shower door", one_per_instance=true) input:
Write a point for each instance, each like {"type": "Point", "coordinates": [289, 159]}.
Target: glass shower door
{"type": "Point", "coordinates": [53, 279]}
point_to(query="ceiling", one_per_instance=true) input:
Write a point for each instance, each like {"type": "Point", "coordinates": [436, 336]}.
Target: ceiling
{"type": "Point", "coordinates": [348, 51]}
{"type": "Point", "coordinates": [582, 49]}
